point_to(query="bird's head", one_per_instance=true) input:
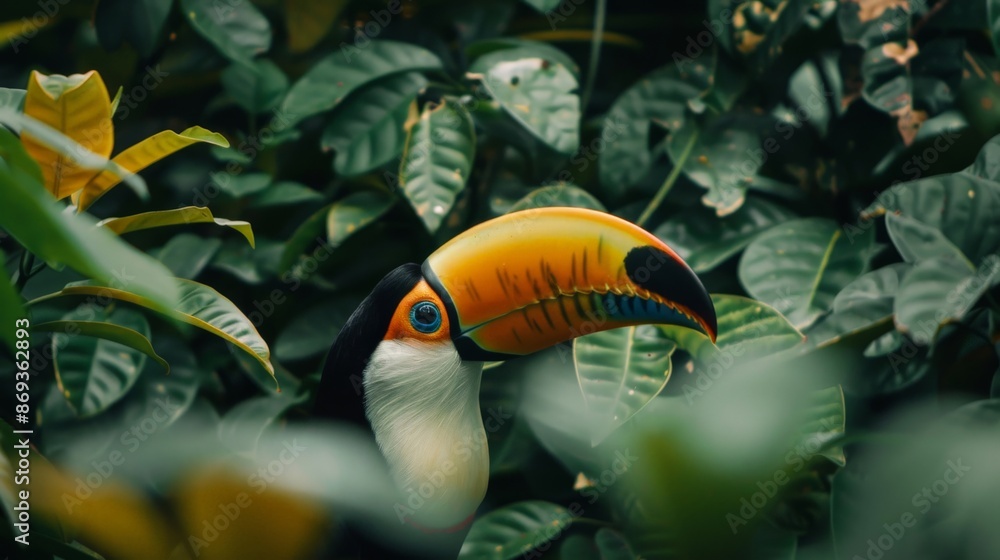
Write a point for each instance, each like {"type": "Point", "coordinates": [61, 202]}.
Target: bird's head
{"type": "Point", "coordinates": [407, 363]}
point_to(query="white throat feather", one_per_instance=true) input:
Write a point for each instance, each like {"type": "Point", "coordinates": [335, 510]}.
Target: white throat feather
{"type": "Point", "coordinates": [422, 402]}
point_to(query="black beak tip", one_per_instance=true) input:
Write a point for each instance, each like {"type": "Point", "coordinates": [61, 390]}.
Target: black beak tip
{"type": "Point", "coordinates": [664, 274]}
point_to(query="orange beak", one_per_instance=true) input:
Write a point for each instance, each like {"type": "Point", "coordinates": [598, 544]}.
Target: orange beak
{"type": "Point", "coordinates": [529, 280]}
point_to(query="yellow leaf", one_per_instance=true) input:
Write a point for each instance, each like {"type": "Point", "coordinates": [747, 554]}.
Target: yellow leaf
{"type": "Point", "coordinates": [77, 106]}
{"type": "Point", "coordinates": [186, 215]}
{"type": "Point", "coordinates": [145, 153]}
{"type": "Point", "coordinates": [309, 20]}
{"type": "Point", "coordinates": [17, 33]}
{"type": "Point", "coordinates": [114, 518]}
{"type": "Point", "coordinates": [265, 522]}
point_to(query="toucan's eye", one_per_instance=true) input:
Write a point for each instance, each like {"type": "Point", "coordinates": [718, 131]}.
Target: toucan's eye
{"type": "Point", "coordinates": [425, 317]}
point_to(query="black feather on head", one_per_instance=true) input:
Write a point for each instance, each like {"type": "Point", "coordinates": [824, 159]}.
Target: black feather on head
{"type": "Point", "coordinates": [340, 394]}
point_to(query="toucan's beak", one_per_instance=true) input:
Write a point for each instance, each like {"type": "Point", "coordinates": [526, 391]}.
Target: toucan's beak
{"type": "Point", "coordinates": [528, 280]}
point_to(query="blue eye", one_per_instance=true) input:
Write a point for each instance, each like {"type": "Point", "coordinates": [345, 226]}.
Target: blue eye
{"type": "Point", "coordinates": [425, 317]}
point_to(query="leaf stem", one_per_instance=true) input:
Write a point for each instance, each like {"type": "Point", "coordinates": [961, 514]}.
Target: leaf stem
{"type": "Point", "coordinates": [595, 52]}
{"type": "Point", "coordinates": [669, 183]}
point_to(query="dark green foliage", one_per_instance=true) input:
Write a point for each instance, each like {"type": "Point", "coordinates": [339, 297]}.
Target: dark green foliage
{"type": "Point", "coordinates": [831, 170]}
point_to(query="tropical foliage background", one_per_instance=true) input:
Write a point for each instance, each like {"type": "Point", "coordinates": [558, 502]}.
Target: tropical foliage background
{"type": "Point", "coordinates": [828, 168]}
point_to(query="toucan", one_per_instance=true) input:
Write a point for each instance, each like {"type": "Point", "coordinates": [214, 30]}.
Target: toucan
{"type": "Point", "coordinates": [406, 365]}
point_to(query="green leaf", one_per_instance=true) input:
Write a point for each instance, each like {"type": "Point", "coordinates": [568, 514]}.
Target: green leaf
{"type": "Point", "coordinates": [620, 371]}
{"type": "Point", "coordinates": [940, 290]}
{"type": "Point", "coordinates": [237, 29]}
{"type": "Point", "coordinates": [543, 6]}
{"type": "Point", "coordinates": [886, 62]}
{"type": "Point", "coordinates": [137, 22]}
{"type": "Point", "coordinates": [437, 160]}
{"type": "Point", "coordinates": [160, 218]}
{"type": "Point", "coordinates": [367, 130]}
{"type": "Point", "coordinates": [354, 212]}
{"type": "Point", "coordinates": [613, 545]}
{"type": "Point", "coordinates": [239, 186]}
{"type": "Point", "coordinates": [97, 362]}
{"type": "Point", "coordinates": [825, 421]}
{"type": "Point", "coordinates": [250, 265]}
{"type": "Point", "coordinates": [180, 388]}
{"type": "Point", "coordinates": [123, 331]}
{"type": "Point", "coordinates": [817, 91]}
{"type": "Point", "coordinates": [17, 160]}
{"type": "Point", "coordinates": [186, 255]}
{"type": "Point", "coordinates": [747, 328]}
{"type": "Point", "coordinates": [916, 241]}
{"type": "Point", "coordinates": [12, 99]}
{"type": "Point", "coordinates": [333, 78]}
{"type": "Point", "coordinates": [799, 266]}
{"type": "Point", "coordinates": [866, 304]}
{"type": "Point", "coordinates": [890, 375]}
{"type": "Point", "coordinates": [284, 193]}
{"type": "Point", "coordinates": [557, 195]}
{"type": "Point", "coordinates": [199, 305]}
{"type": "Point", "coordinates": [516, 49]}
{"type": "Point", "coordinates": [725, 159]}
{"type": "Point", "coordinates": [11, 306]}
{"type": "Point", "coordinates": [964, 206]}
{"type": "Point", "coordinates": [38, 222]}
{"type": "Point", "coordinates": [312, 332]}
{"type": "Point", "coordinates": [304, 236]}
{"type": "Point", "coordinates": [257, 87]}
{"type": "Point", "coordinates": [341, 219]}
{"type": "Point", "coordinates": [884, 345]}
{"type": "Point", "coordinates": [537, 93]}
{"type": "Point", "coordinates": [659, 96]}
{"type": "Point", "coordinates": [513, 530]}
{"type": "Point", "coordinates": [705, 241]}
{"type": "Point", "coordinates": [242, 427]}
